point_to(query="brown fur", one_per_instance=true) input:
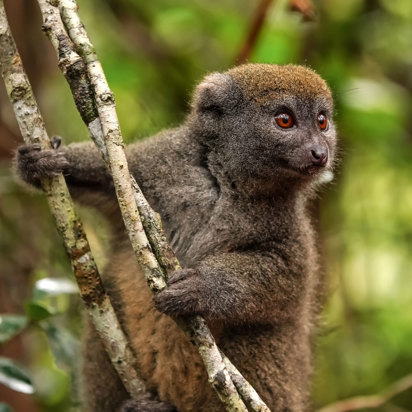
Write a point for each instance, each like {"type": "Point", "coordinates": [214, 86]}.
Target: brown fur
{"type": "Point", "coordinates": [271, 81]}
{"type": "Point", "coordinates": [231, 188]}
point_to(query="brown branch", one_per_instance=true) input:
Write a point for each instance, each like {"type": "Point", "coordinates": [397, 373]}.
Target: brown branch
{"type": "Point", "coordinates": [305, 7]}
{"type": "Point", "coordinates": [254, 31]}
{"type": "Point", "coordinates": [68, 224]}
{"type": "Point", "coordinates": [138, 33]}
{"type": "Point", "coordinates": [370, 401]}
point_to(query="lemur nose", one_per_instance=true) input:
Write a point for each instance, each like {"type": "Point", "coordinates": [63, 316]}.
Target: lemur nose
{"type": "Point", "coordinates": [319, 155]}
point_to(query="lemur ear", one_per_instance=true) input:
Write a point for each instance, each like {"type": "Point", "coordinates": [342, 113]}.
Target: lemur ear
{"type": "Point", "coordinates": [216, 93]}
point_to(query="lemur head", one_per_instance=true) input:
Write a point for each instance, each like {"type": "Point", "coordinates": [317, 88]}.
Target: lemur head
{"type": "Point", "coordinates": [266, 125]}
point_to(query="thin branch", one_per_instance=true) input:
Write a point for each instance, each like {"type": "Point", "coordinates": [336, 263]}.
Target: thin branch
{"type": "Point", "coordinates": [305, 7]}
{"type": "Point", "coordinates": [371, 401]}
{"type": "Point", "coordinates": [138, 33]}
{"type": "Point", "coordinates": [131, 198]}
{"type": "Point", "coordinates": [246, 391]}
{"type": "Point", "coordinates": [255, 29]}
{"type": "Point", "coordinates": [110, 130]}
{"type": "Point", "coordinates": [68, 224]}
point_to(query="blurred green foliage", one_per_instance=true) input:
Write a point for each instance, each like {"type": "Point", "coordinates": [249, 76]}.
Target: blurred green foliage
{"type": "Point", "coordinates": [153, 54]}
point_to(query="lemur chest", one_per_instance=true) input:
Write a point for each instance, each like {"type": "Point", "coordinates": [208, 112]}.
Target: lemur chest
{"type": "Point", "coordinates": [190, 227]}
{"type": "Point", "coordinates": [206, 224]}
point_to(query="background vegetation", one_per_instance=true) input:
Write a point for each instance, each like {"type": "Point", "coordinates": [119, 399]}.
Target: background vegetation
{"type": "Point", "coordinates": [153, 54]}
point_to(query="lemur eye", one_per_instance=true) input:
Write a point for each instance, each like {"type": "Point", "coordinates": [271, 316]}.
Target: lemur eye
{"type": "Point", "coordinates": [284, 120]}
{"type": "Point", "coordinates": [322, 121]}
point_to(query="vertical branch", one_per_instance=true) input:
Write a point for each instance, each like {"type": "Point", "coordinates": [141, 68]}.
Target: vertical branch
{"type": "Point", "coordinates": [112, 137]}
{"type": "Point", "coordinates": [255, 29]}
{"type": "Point", "coordinates": [68, 224]}
{"type": "Point", "coordinates": [305, 7]}
{"type": "Point", "coordinates": [246, 391]}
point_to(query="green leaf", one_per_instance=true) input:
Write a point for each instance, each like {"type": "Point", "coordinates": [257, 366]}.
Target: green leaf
{"type": "Point", "coordinates": [36, 311]}
{"type": "Point", "coordinates": [63, 345]}
{"type": "Point", "coordinates": [5, 408]}
{"type": "Point", "coordinates": [14, 376]}
{"type": "Point", "coordinates": [11, 325]}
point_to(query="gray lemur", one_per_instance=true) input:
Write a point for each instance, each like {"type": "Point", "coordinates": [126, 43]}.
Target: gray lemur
{"type": "Point", "coordinates": [231, 185]}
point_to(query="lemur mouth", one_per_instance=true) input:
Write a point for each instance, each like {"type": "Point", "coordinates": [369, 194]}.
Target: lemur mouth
{"type": "Point", "coordinates": [308, 170]}
{"type": "Point", "coordinates": [311, 170]}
